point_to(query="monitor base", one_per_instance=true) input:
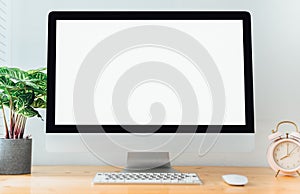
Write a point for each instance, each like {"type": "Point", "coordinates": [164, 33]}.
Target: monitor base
{"type": "Point", "coordinates": [153, 170]}
{"type": "Point", "coordinates": [148, 162]}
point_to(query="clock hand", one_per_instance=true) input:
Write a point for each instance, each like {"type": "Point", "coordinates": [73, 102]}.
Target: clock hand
{"type": "Point", "coordinates": [284, 157]}
{"type": "Point", "coordinates": [289, 154]}
{"type": "Point", "coordinates": [287, 148]}
{"type": "Point", "coordinates": [293, 150]}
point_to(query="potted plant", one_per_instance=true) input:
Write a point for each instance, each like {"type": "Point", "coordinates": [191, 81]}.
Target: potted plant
{"type": "Point", "coordinates": [22, 93]}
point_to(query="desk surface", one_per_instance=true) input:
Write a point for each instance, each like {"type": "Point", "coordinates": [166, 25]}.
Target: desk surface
{"type": "Point", "coordinates": [77, 179]}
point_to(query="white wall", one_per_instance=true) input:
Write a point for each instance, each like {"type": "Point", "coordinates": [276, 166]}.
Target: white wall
{"type": "Point", "coordinates": [276, 53]}
{"type": "Point", "coordinates": [5, 25]}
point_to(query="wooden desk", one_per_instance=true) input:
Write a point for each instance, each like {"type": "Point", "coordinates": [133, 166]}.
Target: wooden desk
{"type": "Point", "coordinates": [77, 179]}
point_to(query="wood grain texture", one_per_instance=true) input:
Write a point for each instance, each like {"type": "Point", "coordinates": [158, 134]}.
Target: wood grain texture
{"type": "Point", "coordinates": [77, 179]}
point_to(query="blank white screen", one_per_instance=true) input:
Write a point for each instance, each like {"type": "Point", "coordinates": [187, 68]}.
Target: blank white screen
{"type": "Point", "coordinates": [223, 39]}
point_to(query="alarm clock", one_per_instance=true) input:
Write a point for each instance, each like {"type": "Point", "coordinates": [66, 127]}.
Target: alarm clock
{"type": "Point", "coordinates": [284, 151]}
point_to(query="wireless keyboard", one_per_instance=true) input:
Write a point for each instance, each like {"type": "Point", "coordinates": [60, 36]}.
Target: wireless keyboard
{"type": "Point", "coordinates": [147, 178]}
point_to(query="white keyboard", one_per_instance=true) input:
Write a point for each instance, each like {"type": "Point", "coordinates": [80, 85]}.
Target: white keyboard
{"type": "Point", "coordinates": [146, 178]}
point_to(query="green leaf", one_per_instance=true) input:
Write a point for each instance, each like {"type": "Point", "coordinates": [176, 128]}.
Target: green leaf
{"type": "Point", "coordinates": [4, 98]}
{"type": "Point", "coordinates": [4, 71]}
{"type": "Point", "coordinates": [31, 84]}
{"type": "Point", "coordinates": [37, 76]}
{"type": "Point", "coordinates": [17, 74]}
{"type": "Point", "coordinates": [36, 70]}
{"type": "Point", "coordinates": [30, 112]}
{"type": "Point", "coordinates": [20, 84]}
{"type": "Point", "coordinates": [24, 100]}
{"type": "Point", "coordinates": [39, 103]}
{"type": "Point", "coordinates": [4, 81]}
{"type": "Point", "coordinates": [37, 91]}
{"type": "Point", "coordinates": [16, 92]}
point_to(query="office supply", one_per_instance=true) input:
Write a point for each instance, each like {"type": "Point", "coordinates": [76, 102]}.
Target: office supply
{"type": "Point", "coordinates": [284, 150]}
{"type": "Point", "coordinates": [235, 179]}
{"type": "Point", "coordinates": [168, 74]}
{"type": "Point", "coordinates": [147, 178]}
{"type": "Point", "coordinates": [77, 180]}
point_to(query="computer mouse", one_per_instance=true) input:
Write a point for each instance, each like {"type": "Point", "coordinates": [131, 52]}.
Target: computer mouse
{"type": "Point", "coordinates": [235, 179]}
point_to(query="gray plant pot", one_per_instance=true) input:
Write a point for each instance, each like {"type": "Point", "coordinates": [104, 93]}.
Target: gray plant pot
{"type": "Point", "coordinates": [15, 156]}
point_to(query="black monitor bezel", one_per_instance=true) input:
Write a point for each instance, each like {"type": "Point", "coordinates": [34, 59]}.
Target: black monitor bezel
{"type": "Point", "coordinates": [51, 127]}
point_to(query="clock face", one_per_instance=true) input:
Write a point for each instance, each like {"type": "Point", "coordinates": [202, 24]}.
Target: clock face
{"type": "Point", "coordinates": [287, 155]}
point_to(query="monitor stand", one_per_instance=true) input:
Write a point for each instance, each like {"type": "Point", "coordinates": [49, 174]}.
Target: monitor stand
{"type": "Point", "coordinates": [148, 162]}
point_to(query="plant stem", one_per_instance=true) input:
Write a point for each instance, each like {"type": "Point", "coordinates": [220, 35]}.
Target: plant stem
{"type": "Point", "coordinates": [12, 125]}
{"type": "Point", "coordinates": [12, 122]}
{"type": "Point", "coordinates": [5, 123]}
{"type": "Point", "coordinates": [16, 128]}
{"type": "Point", "coordinates": [23, 127]}
{"type": "Point", "coordinates": [19, 126]}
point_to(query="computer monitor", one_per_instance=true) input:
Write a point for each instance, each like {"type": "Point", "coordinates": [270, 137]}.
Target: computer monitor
{"type": "Point", "coordinates": [151, 81]}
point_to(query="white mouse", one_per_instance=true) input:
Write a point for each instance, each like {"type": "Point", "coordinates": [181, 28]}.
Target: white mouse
{"type": "Point", "coordinates": [234, 179]}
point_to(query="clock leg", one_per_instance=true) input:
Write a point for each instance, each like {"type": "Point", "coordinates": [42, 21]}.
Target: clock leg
{"type": "Point", "coordinates": [298, 173]}
{"type": "Point", "coordinates": [278, 173]}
